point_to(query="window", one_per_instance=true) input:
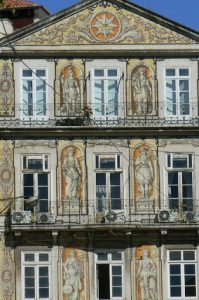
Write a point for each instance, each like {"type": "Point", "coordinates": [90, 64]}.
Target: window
{"type": "Point", "coordinates": [105, 91]}
{"type": "Point", "coordinates": [108, 182]}
{"type": "Point", "coordinates": [109, 275]}
{"type": "Point", "coordinates": [36, 275]}
{"type": "Point", "coordinates": [36, 179]}
{"type": "Point", "coordinates": [34, 93]}
{"type": "Point", "coordinates": [182, 274]}
{"type": "Point", "coordinates": [177, 92]}
{"type": "Point", "coordinates": [180, 181]}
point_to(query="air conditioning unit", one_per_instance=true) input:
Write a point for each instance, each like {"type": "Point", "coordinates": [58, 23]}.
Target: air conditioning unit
{"type": "Point", "coordinates": [112, 216]}
{"type": "Point", "coordinates": [189, 216]}
{"type": "Point", "coordinates": [22, 217]}
{"type": "Point", "coordinates": [45, 218]}
{"type": "Point", "coordinates": [164, 216]}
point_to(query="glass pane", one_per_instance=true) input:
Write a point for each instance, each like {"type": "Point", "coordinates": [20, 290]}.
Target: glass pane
{"type": "Point", "coordinates": [112, 97]}
{"type": "Point", "coordinates": [117, 281]}
{"type": "Point", "coordinates": [43, 271]}
{"type": "Point", "coordinates": [43, 179]}
{"type": "Point", "coordinates": [99, 105]}
{"type": "Point", "coordinates": [35, 164]}
{"type": "Point", "coordinates": [43, 205]}
{"type": "Point", "coordinates": [43, 193]}
{"type": "Point", "coordinates": [173, 177]}
{"type": "Point", "coordinates": [29, 282]}
{"type": "Point", "coordinates": [29, 272]}
{"type": "Point", "coordinates": [180, 162]}
{"type": "Point", "coordinates": [43, 257]}
{"type": "Point", "coordinates": [29, 293]}
{"type": "Point", "coordinates": [189, 255]}
{"type": "Point", "coordinates": [170, 72]}
{"type": "Point", "coordinates": [116, 270]}
{"type": "Point", "coordinates": [27, 73]}
{"type": "Point", "coordinates": [184, 72]}
{"type": "Point", "coordinates": [175, 269]}
{"type": "Point", "coordinates": [175, 280]}
{"type": "Point", "coordinates": [27, 98]}
{"type": "Point", "coordinates": [175, 255]}
{"type": "Point", "coordinates": [175, 291]}
{"type": "Point", "coordinates": [171, 97]}
{"type": "Point", "coordinates": [43, 282]}
{"type": "Point", "coordinates": [107, 163]}
{"type": "Point", "coordinates": [41, 73]}
{"type": "Point", "coordinates": [117, 291]}
{"type": "Point", "coordinates": [184, 85]}
{"type": "Point", "coordinates": [112, 73]}
{"type": "Point", "coordinates": [187, 177]}
{"type": "Point", "coordinates": [117, 256]}
{"type": "Point", "coordinates": [173, 191]}
{"type": "Point", "coordinates": [100, 179]}
{"type": "Point", "coordinates": [190, 291]}
{"type": "Point", "coordinates": [28, 180]}
{"type": "Point", "coordinates": [187, 192]}
{"type": "Point", "coordinates": [115, 179]}
{"type": "Point", "coordinates": [189, 269]}
{"type": "Point", "coordinates": [99, 73]}
{"type": "Point", "coordinates": [29, 257]}
{"type": "Point", "coordinates": [102, 256]}
{"type": "Point", "coordinates": [43, 292]}
{"type": "Point", "coordinates": [190, 280]}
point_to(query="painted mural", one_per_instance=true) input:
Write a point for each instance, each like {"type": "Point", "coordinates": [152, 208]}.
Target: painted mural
{"type": "Point", "coordinates": [73, 264]}
{"type": "Point", "coordinates": [71, 177]}
{"type": "Point", "coordinates": [70, 94]}
{"type": "Point", "coordinates": [6, 89]}
{"type": "Point", "coordinates": [6, 174]}
{"type": "Point", "coordinates": [146, 272]}
{"type": "Point", "coordinates": [104, 23]}
{"type": "Point", "coordinates": [142, 90]}
{"type": "Point", "coordinates": [7, 271]}
{"type": "Point", "coordinates": [144, 170]}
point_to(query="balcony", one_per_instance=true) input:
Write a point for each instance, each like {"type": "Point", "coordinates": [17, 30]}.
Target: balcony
{"type": "Point", "coordinates": [87, 217]}
{"type": "Point", "coordinates": [89, 116]}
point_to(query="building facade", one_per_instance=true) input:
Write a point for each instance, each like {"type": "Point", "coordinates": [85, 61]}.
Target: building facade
{"type": "Point", "coordinates": [99, 157]}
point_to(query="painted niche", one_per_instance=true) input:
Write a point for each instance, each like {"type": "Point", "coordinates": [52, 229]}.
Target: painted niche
{"type": "Point", "coordinates": [142, 90]}
{"type": "Point", "coordinates": [144, 176]}
{"type": "Point", "coordinates": [6, 172]}
{"type": "Point", "coordinates": [72, 188]}
{"type": "Point", "coordinates": [6, 91]}
{"type": "Point", "coordinates": [70, 92]}
{"type": "Point", "coordinates": [146, 273]}
{"type": "Point", "coordinates": [72, 274]}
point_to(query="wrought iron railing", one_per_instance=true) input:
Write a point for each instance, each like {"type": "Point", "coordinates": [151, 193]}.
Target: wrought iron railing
{"type": "Point", "coordinates": [51, 115]}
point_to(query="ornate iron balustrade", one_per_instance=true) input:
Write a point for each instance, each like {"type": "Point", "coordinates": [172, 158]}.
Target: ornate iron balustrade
{"type": "Point", "coordinates": [83, 115]}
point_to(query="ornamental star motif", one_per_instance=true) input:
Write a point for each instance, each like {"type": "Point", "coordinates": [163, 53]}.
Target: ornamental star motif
{"type": "Point", "coordinates": [105, 25]}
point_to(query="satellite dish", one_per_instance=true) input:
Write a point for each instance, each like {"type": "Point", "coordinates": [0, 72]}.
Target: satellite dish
{"type": "Point", "coordinates": [32, 201]}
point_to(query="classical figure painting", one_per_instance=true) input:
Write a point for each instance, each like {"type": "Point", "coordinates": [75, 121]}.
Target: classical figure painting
{"type": "Point", "coordinates": [146, 273]}
{"type": "Point", "coordinates": [70, 91]}
{"type": "Point", "coordinates": [141, 90]}
{"type": "Point", "coordinates": [144, 176]}
{"type": "Point", "coordinates": [72, 268]}
{"type": "Point", "coordinates": [71, 165]}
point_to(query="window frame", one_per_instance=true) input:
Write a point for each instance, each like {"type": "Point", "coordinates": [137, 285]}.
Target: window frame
{"type": "Point", "coordinates": [111, 263]}
{"type": "Point", "coordinates": [182, 262]}
{"type": "Point", "coordinates": [177, 79]}
{"type": "Point", "coordinates": [34, 78]}
{"type": "Point", "coordinates": [105, 79]}
{"type": "Point", "coordinates": [36, 264]}
{"type": "Point", "coordinates": [180, 171]}
{"type": "Point", "coordinates": [35, 173]}
{"type": "Point", "coordinates": [108, 171]}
